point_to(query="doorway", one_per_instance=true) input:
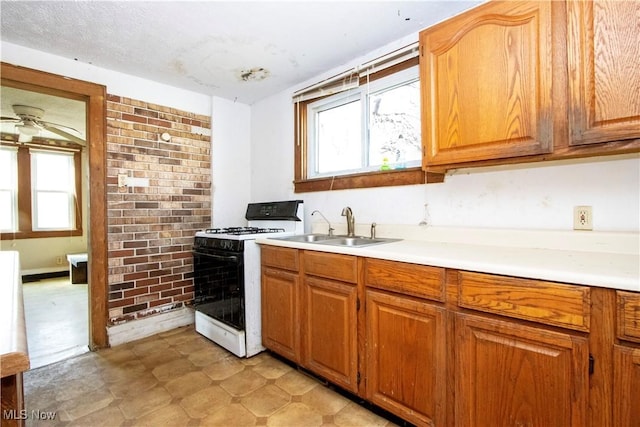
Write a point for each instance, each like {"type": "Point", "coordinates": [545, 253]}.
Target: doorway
{"type": "Point", "coordinates": [94, 96]}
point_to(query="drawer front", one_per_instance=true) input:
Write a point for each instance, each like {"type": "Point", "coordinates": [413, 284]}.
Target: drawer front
{"type": "Point", "coordinates": [409, 279]}
{"type": "Point", "coordinates": [568, 306]}
{"type": "Point", "coordinates": [628, 316]}
{"type": "Point", "coordinates": [331, 266]}
{"type": "Point", "coordinates": [285, 258]}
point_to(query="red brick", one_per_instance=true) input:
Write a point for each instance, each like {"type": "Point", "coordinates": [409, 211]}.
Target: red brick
{"type": "Point", "coordinates": [171, 292]}
{"type": "Point", "coordinates": [136, 291]}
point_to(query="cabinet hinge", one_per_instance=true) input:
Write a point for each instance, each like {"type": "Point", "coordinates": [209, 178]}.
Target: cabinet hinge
{"type": "Point", "coordinates": [358, 378]}
{"type": "Point", "coordinates": [592, 363]}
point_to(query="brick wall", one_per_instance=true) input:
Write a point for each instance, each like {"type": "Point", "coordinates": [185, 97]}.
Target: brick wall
{"type": "Point", "coordinates": [151, 229]}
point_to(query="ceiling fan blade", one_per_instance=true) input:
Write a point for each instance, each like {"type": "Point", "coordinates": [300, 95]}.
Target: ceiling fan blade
{"type": "Point", "coordinates": [63, 134]}
{"type": "Point", "coordinates": [10, 119]}
{"type": "Point", "coordinates": [57, 125]}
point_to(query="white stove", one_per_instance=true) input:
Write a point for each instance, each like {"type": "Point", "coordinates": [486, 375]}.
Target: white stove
{"type": "Point", "coordinates": [227, 275]}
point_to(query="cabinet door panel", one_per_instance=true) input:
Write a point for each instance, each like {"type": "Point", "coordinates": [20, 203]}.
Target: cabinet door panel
{"type": "Point", "coordinates": [280, 329]}
{"type": "Point", "coordinates": [406, 351]}
{"type": "Point", "coordinates": [330, 331]}
{"type": "Point", "coordinates": [604, 70]}
{"type": "Point", "coordinates": [486, 81]}
{"type": "Point", "coordinates": [509, 374]}
{"type": "Point", "coordinates": [626, 386]}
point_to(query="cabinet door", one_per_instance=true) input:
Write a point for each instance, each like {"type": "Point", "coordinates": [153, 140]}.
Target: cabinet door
{"type": "Point", "coordinates": [330, 331]}
{"type": "Point", "coordinates": [604, 70]}
{"type": "Point", "coordinates": [626, 386]}
{"type": "Point", "coordinates": [509, 374]}
{"type": "Point", "coordinates": [280, 329]}
{"type": "Point", "coordinates": [486, 80]}
{"type": "Point", "coordinates": [405, 359]}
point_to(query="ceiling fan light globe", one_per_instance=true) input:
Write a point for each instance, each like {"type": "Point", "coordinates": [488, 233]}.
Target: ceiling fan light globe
{"type": "Point", "coordinates": [28, 130]}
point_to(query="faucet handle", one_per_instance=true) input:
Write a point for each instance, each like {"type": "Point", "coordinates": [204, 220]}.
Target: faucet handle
{"type": "Point", "coordinates": [373, 230]}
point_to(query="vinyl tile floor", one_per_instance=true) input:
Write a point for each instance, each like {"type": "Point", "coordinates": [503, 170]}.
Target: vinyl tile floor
{"type": "Point", "coordinates": [179, 378]}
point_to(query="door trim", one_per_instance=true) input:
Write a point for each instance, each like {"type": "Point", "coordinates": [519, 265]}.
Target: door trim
{"type": "Point", "coordinates": [95, 97]}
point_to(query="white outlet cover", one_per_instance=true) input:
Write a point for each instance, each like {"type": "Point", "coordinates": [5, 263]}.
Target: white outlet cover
{"type": "Point", "coordinates": [582, 218]}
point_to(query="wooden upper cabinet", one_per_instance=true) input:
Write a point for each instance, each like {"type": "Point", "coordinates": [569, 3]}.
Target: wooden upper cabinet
{"type": "Point", "coordinates": [486, 79]}
{"type": "Point", "coordinates": [604, 70]}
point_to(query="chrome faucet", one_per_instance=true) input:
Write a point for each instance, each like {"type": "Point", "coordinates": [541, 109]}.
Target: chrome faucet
{"type": "Point", "coordinates": [328, 223]}
{"type": "Point", "coordinates": [350, 221]}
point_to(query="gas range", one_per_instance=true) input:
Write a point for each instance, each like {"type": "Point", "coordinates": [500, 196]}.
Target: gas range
{"type": "Point", "coordinates": [227, 275]}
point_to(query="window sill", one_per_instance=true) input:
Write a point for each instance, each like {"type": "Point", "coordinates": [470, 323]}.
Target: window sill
{"type": "Point", "coordinates": [409, 176]}
{"type": "Point", "coordinates": [39, 234]}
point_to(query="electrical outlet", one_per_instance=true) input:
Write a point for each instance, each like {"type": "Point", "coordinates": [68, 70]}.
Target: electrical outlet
{"type": "Point", "coordinates": [59, 260]}
{"type": "Point", "coordinates": [582, 218]}
{"type": "Point", "coordinates": [122, 180]}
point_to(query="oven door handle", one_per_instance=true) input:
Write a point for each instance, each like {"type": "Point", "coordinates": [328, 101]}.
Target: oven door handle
{"type": "Point", "coordinates": [220, 257]}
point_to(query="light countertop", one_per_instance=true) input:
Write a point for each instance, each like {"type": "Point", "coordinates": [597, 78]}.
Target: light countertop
{"type": "Point", "coordinates": [609, 260]}
{"type": "Point", "coordinates": [14, 355]}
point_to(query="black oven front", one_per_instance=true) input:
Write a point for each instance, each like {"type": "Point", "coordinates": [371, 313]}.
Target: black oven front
{"type": "Point", "coordinates": [218, 267]}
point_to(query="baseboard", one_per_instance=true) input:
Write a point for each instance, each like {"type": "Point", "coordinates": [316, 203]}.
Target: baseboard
{"type": "Point", "coordinates": [34, 277]}
{"type": "Point", "coordinates": [147, 326]}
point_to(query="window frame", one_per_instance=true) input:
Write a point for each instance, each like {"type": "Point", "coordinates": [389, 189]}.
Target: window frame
{"type": "Point", "coordinates": [395, 177]}
{"type": "Point", "coordinates": [25, 193]}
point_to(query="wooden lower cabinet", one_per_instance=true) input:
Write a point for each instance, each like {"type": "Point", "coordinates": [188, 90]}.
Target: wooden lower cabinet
{"type": "Point", "coordinates": [510, 374]}
{"type": "Point", "coordinates": [440, 347]}
{"type": "Point", "coordinates": [329, 331]}
{"type": "Point", "coordinates": [626, 386]}
{"type": "Point", "coordinates": [280, 330]}
{"type": "Point", "coordinates": [405, 357]}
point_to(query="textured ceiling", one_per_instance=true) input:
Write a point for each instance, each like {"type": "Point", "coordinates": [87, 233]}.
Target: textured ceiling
{"type": "Point", "coordinates": [208, 47]}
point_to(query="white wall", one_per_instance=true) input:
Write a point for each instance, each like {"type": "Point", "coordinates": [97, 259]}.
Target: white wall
{"type": "Point", "coordinates": [230, 162]}
{"type": "Point", "coordinates": [532, 196]}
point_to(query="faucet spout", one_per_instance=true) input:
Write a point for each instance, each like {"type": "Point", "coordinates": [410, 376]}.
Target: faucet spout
{"type": "Point", "coordinates": [350, 221]}
{"type": "Point", "coordinates": [330, 232]}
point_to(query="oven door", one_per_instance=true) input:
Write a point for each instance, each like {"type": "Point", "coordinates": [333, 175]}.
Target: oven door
{"type": "Point", "coordinates": [219, 286]}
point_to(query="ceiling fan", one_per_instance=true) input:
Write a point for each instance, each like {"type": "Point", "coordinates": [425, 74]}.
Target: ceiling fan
{"type": "Point", "coordinates": [29, 123]}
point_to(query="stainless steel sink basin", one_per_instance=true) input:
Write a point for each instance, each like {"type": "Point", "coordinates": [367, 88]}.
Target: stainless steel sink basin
{"type": "Point", "coordinates": [357, 241]}
{"type": "Point", "coordinates": [325, 239]}
{"type": "Point", "coordinates": [308, 238]}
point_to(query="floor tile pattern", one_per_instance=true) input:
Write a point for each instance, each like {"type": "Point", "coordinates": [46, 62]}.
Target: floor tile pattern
{"type": "Point", "coordinates": [179, 378]}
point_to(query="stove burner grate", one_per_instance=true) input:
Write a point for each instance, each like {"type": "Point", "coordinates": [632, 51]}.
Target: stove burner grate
{"type": "Point", "coordinates": [238, 231]}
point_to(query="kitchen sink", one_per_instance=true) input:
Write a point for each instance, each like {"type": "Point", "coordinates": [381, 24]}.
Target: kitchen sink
{"type": "Point", "coordinates": [307, 238]}
{"type": "Point", "coordinates": [358, 241]}
{"type": "Point", "coordinates": [324, 239]}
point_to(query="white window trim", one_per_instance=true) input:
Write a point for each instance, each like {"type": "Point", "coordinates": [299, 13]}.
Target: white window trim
{"type": "Point", "coordinates": [357, 93]}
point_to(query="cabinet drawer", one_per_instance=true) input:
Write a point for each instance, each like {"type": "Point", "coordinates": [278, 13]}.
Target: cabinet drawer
{"type": "Point", "coordinates": [285, 258]}
{"type": "Point", "coordinates": [410, 279]}
{"type": "Point", "coordinates": [628, 316]}
{"type": "Point", "coordinates": [568, 306]}
{"type": "Point", "coordinates": [331, 266]}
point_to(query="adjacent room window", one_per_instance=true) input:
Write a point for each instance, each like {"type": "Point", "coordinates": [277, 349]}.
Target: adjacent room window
{"type": "Point", "coordinates": [39, 192]}
{"type": "Point", "coordinates": [362, 128]}
{"type": "Point", "coordinates": [53, 190]}
{"type": "Point", "coordinates": [8, 189]}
